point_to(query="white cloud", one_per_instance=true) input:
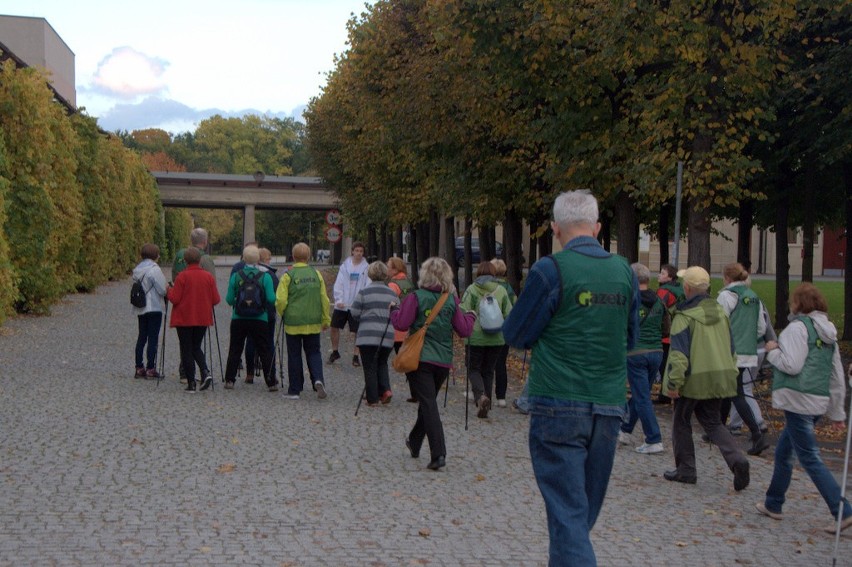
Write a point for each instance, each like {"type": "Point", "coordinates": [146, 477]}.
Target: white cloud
{"type": "Point", "coordinates": [127, 73]}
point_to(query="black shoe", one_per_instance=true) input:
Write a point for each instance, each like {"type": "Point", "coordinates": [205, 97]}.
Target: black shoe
{"type": "Point", "coordinates": [229, 385]}
{"type": "Point", "coordinates": [675, 476]}
{"type": "Point", "coordinates": [661, 399]}
{"type": "Point", "coordinates": [741, 476]}
{"type": "Point", "coordinates": [414, 454]}
{"type": "Point", "coordinates": [759, 445]}
{"type": "Point", "coordinates": [436, 464]}
{"type": "Point", "coordinates": [333, 356]}
{"type": "Point", "coordinates": [190, 387]}
{"type": "Point", "coordinates": [206, 383]}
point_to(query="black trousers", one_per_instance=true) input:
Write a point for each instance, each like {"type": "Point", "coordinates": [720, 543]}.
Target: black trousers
{"type": "Point", "coordinates": [426, 383]}
{"type": "Point", "coordinates": [190, 339]}
{"type": "Point", "coordinates": [257, 330]}
{"type": "Point", "coordinates": [481, 362]}
{"type": "Point", "coordinates": [742, 406]}
{"type": "Point", "coordinates": [707, 413]}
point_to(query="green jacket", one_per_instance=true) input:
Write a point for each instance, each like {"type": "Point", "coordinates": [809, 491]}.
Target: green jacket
{"type": "Point", "coordinates": [701, 364]}
{"type": "Point", "coordinates": [470, 302]}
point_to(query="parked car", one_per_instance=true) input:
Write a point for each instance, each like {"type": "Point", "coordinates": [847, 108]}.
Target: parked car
{"type": "Point", "coordinates": [474, 250]}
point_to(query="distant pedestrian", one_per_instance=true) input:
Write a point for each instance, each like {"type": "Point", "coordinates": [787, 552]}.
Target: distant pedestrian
{"type": "Point", "coordinates": [701, 372]}
{"type": "Point", "coordinates": [150, 317]}
{"type": "Point", "coordinates": [670, 291]}
{"type": "Point", "coordinates": [436, 360]}
{"type": "Point", "coordinates": [402, 285]}
{"type": "Point", "coordinates": [371, 309]}
{"type": "Point", "coordinates": [302, 303]}
{"type": "Point", "coordinates": [501, 374]}
{"type": "Point", "coordinates": [194, 295]}
{"type": "Point", "coordinates": [807, 382]}
{"type": "Point", "coordinates": [251, 352]}
{"type": "Point", "coordinates": [578, 312]}
{"type": "Point", "coordinates": [351, 278]}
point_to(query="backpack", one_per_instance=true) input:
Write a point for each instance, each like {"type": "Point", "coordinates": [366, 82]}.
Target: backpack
{"type": "Point", "coordinates": [251, 299]}
{"type": "Point", "coordinates": [138, 293]}
{"type": "Point", "coordinates": [490, 315]}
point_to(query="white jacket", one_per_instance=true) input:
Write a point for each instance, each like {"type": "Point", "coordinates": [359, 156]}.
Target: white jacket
{"type": "Point", "coordinates": [350, 280]}
{"type": "Point", "coordinates": [790, 358]}
{"type": "Point", "coordinates": [154, 284]}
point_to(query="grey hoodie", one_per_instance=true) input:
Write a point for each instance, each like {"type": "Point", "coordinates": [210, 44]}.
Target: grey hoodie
{"type": "Point", "coordinates": [790, 357]}
{"type": "Point", "coordinates": [154, 283]}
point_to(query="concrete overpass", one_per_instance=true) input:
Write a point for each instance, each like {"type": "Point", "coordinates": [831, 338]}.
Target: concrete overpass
{"type": "Point", "coordinates": [246, 192]}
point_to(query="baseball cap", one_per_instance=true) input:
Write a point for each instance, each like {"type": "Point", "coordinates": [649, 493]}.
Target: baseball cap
{"type": "Point", "coordinates": [695, 276]}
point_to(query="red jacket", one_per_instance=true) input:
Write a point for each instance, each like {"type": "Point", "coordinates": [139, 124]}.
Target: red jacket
{"type": "Point", "coordinates": [193, 296]}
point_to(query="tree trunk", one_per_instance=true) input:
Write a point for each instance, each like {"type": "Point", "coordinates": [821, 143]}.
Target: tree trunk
{"type": "Point", "coordinates": [535, 222]}
{"type": "Point", "coordinates": [545, 243]}
{"type": "Point", "coordinates": [450, 244]}
{"type": "Point", "coordinates": [468, 252]}
{"type": "Point", "coordinates": [372, 243]}
{"type": "Point", "coordinates": [513, 249]}
{"type": "Point", "coordinates": [745, 223]}
{"type": "Point", "coordinates": [628, 234]}
{"type": "Point", "coordinates": [486, 244]}
{"type": "Point", "coordinates": [847, 259]}
{"type": "Point", "coordinates": [412, 253]}
{"type": "Point", "coordinates": [782, 265]}
{"type": "Point", "coordinates": [663, 233]}
{"type": "Point", "coordinates": [398, 243]}
{"type": "Point", "coordinates": [605, 235]}
{"type": "Point", "coordinates": [699, 237]}
{"type": "Point", "coordinates": [422, 241]}
{"type": "Point", "coordinates": [808, 229]}
{"type": "Point", "coordinates": [434, 232]}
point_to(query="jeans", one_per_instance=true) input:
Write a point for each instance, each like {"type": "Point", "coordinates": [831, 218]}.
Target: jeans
{"type": "Point", "coordinates": [149, 331]}
{"type": "Point", "coordinates": [641, 371]}
{"type": "Point", "coordinates": [426, 383]}
{"type": "Point", "coordinates": [295, 371]}
{"type": "Point", "coordinates": [190, 339]}
{"type": "Point", "coordinates": [481, 362]}
{"type": "Point", "coordinates": [798, 438]}
{"type": "Point", "coordinates": [375, 362]}
{"type": "Point", "coordinates": [572, 447]}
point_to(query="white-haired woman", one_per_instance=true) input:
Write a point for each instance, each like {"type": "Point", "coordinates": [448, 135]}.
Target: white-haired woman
{"type": "Point", "coordinates": [436, 359]}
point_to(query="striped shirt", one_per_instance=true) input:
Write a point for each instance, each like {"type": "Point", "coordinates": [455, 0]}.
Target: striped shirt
{"type": "Point", "coordinates": [371, 310]}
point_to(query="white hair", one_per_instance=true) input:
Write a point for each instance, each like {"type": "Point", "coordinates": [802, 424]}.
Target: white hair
{"type": "Point", "coordinates": [575, 207]}
{"type": "Point", "coordinates": [643, 274]}
{"type": "Point", "coordinates": [198, 237]}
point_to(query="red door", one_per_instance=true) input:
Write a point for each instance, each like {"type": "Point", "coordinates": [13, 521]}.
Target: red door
{"type": "Point", "coordinates": [834, 251]}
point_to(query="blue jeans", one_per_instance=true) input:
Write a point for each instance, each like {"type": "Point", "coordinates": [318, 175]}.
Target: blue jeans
{"type": "Point", "coordinates": [311, 345]}
{"type": "Point", "coordinates": [641, 371]}
{"type": "Point", "coordinates": [798, 437]}
{"type": "Point", "coordinates": [149, 330]}
{"type": "Point", "coordinates": [572, 447]}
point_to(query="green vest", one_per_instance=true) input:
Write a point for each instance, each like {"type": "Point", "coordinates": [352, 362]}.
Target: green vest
{"type": "Point", "coordinates": [304, 302]}
{"type": "Point", "coordinates": [438, 346]}
{"type": "Point", "coordinates": [650, 326]}
{"type": "Point", "coordinates": [744, 320]}
{"type": "Point", "coordinates": [406, 286]}
{"type": "Point", "coordinates": [815, 376]}
{"type": "Point", "coordinates": [581, 354]}
{"type": "Point", "coordinates": [676, 289]}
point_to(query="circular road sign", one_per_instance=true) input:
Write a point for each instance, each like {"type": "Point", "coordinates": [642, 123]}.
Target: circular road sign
{"type": "Point", "coordinates": [333, 234]}
{"type": "Point", "coordinates": [332, 217]}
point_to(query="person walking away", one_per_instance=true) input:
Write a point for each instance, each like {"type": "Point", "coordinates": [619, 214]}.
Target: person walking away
{"type": "Point", "coordinates": [251, 352]}
{"type": "Point", "coordinates": [483, 348]}
{"type": "Point", "coordinates": [501, 374]}
{"type": "Point", "coordinates": [436, 359]}
{"type": "Point", "coordinates": [578, 312]}
{"type": "Point", "coordinates": [351, 278]}
{"type": "Point", "coordinates": [249, 293]}
{"type": "Point", "coordinates": [670, 291]}
{"type": "Point", "coordinates": [303, 305]}
{"type": "Point", "coordinates": [807, 383]}
{"type": "Point", "coordinates": [748, 325]}
{"type": "Point", "coordinates": [371, 310]}
{"type": "Point", "coordinates": [193, 295]}
{"type": "Point", "coordinates": [701, 372]}
{"type": "Point", "coordinates": [402, 285]}
{"type": "Point", "coordinates": [150, 317]}
{"type": "Point", "coordinates": [643, 364]}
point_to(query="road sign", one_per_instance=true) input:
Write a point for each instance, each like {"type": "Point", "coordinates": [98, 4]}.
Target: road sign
{"type": "Point", "coordinates": [332, 217]}
{"type": "Point", "coordinates": [333, 234]}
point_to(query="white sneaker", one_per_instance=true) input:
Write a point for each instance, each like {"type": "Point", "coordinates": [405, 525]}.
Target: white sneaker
{"type": "Point", "coordinates": [624, 438]}
{"type": "Point", "coordinates": [651, 449]}
{"type": "Point", "coordinates": [501, 403]}
{"type": "Point", "coordinates": [321, 393]}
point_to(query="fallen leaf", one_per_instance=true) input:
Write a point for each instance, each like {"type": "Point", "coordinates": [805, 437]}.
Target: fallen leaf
{"type": "Point", "coordinates": [425, 532]}
{"type": "Point", "coordinates": [226, 468]}
{"type": "Point", "coordinates": [480, 477]}
{"type": "Point", "coordinates": [681, 544]}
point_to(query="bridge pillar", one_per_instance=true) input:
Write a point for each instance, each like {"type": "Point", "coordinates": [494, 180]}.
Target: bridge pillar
{"type": "Point", "coordinates": [248, 224]}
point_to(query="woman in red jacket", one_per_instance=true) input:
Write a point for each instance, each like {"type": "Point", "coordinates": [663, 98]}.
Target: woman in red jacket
{"type": "Point", "coordinates": [193, 295]}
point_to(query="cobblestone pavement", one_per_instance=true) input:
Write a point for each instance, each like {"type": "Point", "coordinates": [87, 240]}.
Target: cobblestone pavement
{"type": "Point", "coordinates": [99, 468]}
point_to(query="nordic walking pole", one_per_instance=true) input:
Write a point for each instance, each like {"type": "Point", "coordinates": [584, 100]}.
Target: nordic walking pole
{"type": "Point", "coordinates": [163, 345]}
{"type": "Point", "coordinates": [375, 363]}
{"type": "Point", "coordinates": [466, 401]}
{"type": "Point", "coordinates": [843, 482]}
{"type": "Point", "coordinates": [218, 345]}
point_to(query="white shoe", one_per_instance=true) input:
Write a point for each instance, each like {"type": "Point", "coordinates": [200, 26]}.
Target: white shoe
{"type": "Point", "coordinates": [651, 449]}
{"type": "Point", "coordinates": [321, 393]}
{"type": "Point", "coordinates": [624, 438]}
{"type": "Point", "coordinates": [501, 403]}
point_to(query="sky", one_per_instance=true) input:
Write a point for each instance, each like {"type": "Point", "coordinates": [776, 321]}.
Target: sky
{"type": "Point", "coordinates": [171, 63]}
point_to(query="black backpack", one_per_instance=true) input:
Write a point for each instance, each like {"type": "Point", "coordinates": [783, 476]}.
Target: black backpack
{"type": "Point", "coordinates": [138, 293]}
{"type": "Point", "coordinates": [251, 299]}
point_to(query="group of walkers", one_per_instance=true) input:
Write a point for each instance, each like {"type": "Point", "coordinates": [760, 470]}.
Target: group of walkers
{"type": "Point", "coordinates": [593, 326]}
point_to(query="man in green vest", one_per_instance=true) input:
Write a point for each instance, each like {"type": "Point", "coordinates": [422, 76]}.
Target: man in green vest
{"type": "Point", "coordinates": [578, 312]}
{"type": "Point", "coordinates": [701, 372]}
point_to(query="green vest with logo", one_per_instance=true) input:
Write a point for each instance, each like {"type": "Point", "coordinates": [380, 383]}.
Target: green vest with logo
{"type": "Point", "coordinates": [815, 376]}
{"type": "Point", "coordinates": [304, 303]}
{"type": "Point", "coordinates": [581, 354]}
{"type": "Point", "coordinates": [406, 286]}
{"type": "Point", "coordinates": [744, 320]}
{"type": "Point", "coordinates": [650, 326]}
{"type": "Point", "coordinates": [438, 346]}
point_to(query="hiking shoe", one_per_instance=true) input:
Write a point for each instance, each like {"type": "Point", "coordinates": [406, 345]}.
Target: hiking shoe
{"type": "Point", "coordinates": [759, 445]}
{"type": "Point", "coordinates": [190, 387]}
{"type": "Point", "coordinates": [767, 512]}
{"type": "Point", "coordinates": [356, 361]}
{"type": "Point", "coordinates": [518, 407]}
{"type": "Point", "coordinates": [411, 400]}
{"type": "Point", "coordinates": [501, 403]}
{"type": "Point", "coordinates": [273, 388]}
{"type": "Point", "coordinates": [333, 356]}
{"type": "Point", "coordinates": [206, 383]}
{"type": "Point", "coordinates": [844, 523]}
{"type": "Point", "coordinates": [152, 373]}
{"type": "Point", "coordinates": [182, 380]}
{"type": "Point", "coordinates": [387, 396]}
{"type": "Point", "coordinates": [320, 388]}
{"type": "Point", "coordinates": [229, 385]}
{"type": "Point", "coordinates": [624, 438]}
{"type": "Point", "coordinates": [414, 453]}
{"type": "Point", "coordinates": [676, 476]}
{"type": "Point", "coordinates": [140, 372]}
{"type": "Point", "coordinates": [484, 405]}
{"type": "Point", "coordinates": [650, 448]}
{"type": "Point", "coordinates": [436, 464]}
{"type": "Point", "coordinates": [741, 476]}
